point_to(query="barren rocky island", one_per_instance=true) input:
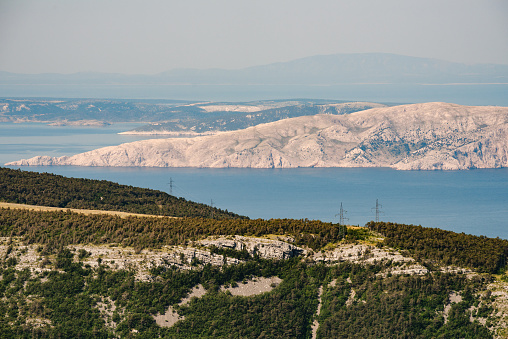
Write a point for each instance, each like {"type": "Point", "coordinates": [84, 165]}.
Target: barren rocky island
{"type": "Point", "coordinates": [427, 136]}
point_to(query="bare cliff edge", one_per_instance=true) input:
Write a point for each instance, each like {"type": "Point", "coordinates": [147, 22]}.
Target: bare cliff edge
{"type": "Point", "coordinates": [410, 137]}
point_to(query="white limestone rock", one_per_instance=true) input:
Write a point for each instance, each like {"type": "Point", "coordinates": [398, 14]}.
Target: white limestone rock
{"type": "Point", "coordinates": [265, 248]}
{"type": "Point", "coordinates": [425, 136]}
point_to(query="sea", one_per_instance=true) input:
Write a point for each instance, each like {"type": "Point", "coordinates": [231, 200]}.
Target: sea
{"type": "Point", "coordinates": [463, 94]}
{"type": "Point", "coordinates": [473, 202]}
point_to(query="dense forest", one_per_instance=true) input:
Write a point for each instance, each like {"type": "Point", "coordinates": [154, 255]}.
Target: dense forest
{"type": "Point", "coordinates": [483, 254]}
{"type": "Point", "coordinates": [47, 189]}
{"type": "Point", "coordinates": [62, 228]}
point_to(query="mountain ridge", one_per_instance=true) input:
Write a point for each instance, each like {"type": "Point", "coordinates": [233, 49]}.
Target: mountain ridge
{"type": "Point", "coordinates": [318, 69]}
{"type": "Point", "coordinates": [426, 136]}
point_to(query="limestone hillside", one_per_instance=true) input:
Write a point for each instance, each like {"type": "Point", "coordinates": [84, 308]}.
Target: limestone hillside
{"type": "Point", "coordinates": [426, 136]}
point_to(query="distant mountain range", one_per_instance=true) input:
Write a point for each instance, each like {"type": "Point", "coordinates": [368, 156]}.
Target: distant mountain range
{"type": "Point", "coordinates": [364, 68]}
{"type": "Point", "coordinates": [409, 137]}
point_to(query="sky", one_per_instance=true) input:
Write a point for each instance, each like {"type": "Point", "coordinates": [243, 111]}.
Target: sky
{"type": "Point", "coordinates": [152, 36]}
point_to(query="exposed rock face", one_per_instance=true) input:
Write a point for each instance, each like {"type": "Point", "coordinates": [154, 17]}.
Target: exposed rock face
{"type": "Point", "coordinates": [358, 254]}
{"type": "Point", "coordinates": [183, 257]}
{"type": "Point", "coordinates": [265, 248]}
{"type": "Point", "coordinates": [409, 137]}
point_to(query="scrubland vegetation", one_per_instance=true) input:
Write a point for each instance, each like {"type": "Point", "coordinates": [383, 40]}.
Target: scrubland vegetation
{"type": "Point", "coordinates": [433, 245]}
{"type": "Point", "coordinates": [65, 295]}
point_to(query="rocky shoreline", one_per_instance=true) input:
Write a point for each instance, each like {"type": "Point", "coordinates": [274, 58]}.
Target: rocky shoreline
{"type": "Point", "coordinates": [430, 136]}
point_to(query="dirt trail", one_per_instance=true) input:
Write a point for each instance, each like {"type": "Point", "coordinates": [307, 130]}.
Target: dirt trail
{"type": "Point", "coordinates": [47, 208]}
{"type": "Point", "coordinates": [315, 323]}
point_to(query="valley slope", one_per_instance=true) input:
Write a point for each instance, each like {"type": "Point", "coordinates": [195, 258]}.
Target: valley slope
{"type": "Point", "coordinates": [425, 136]}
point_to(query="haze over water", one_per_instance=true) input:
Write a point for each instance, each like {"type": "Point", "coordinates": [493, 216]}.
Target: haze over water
{"type": "Point", "coordinates": [465, 94]}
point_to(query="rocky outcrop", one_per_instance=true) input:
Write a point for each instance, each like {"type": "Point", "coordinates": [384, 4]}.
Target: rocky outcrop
{"type": "Point", "coordinates": [409, 137]}
{"type": "Point", "coordinates": [358, 254]}
{"type": "Point", "coordinates": [186, 257]}
{"type": "Point", "coordinates": [265, 248]}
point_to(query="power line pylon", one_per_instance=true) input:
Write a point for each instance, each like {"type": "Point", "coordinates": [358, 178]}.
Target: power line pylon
{"type": "Point", "coordinates": [341, 215]}
{"type": "Point", "coordinates": [170, 186]}
{"type": "Point", "coordinates": [378, 211]}
{"type": "Point", "coordinates": [342, 219]}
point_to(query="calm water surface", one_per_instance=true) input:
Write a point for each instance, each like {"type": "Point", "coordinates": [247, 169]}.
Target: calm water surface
{"type": "Point", "coordinates": [474, 202]}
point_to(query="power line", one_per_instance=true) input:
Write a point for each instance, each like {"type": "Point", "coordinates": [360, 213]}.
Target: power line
{"type": "Point", "coordinates": [342, 218]}
{"type": "Point", "coordinates": [341, 214]}
{"type": "Point", "coordinates": [377, 209]}
{"type": "Point", "coordinates": [183, 193]}
{"type": "Point", "coordinates": [170, 186]}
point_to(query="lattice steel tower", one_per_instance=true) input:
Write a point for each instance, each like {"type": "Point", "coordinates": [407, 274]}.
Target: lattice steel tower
{"type": "Point", "coordinates": [341, 215]}
{"type": "Point", "coordinates": [170, 186]}
{"type": "Point", "coordinates": [378, 210]}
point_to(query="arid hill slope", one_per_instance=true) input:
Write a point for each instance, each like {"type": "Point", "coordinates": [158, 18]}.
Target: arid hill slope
{"type": "Point", "coordinates": [425, 136]}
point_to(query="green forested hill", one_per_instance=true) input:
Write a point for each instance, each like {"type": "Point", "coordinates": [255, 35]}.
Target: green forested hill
{"type": "Point", "coordinates": [71, 275]}
{"type": "Point", "coordinates": [46, 189]}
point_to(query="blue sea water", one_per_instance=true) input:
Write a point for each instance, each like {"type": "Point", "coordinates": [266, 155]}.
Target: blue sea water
{"type": "Point", "coordinates": [473, 202]}
{"type": "Point", "coordinates": [26, 140]}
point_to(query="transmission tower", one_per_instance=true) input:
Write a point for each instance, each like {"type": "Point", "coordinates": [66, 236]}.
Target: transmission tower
{"type": "Point", "coordinates": [341, 221]}
{"type": "Point", "coordinates": [378, 210]}
{"type": "Point", "coordinates": [341, 215]}
{"type": "Point", "coordinates": [170, 186]}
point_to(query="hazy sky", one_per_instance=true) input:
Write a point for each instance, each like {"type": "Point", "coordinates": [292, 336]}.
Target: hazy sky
{"type": "Point", "coordinates": [145, 36]}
